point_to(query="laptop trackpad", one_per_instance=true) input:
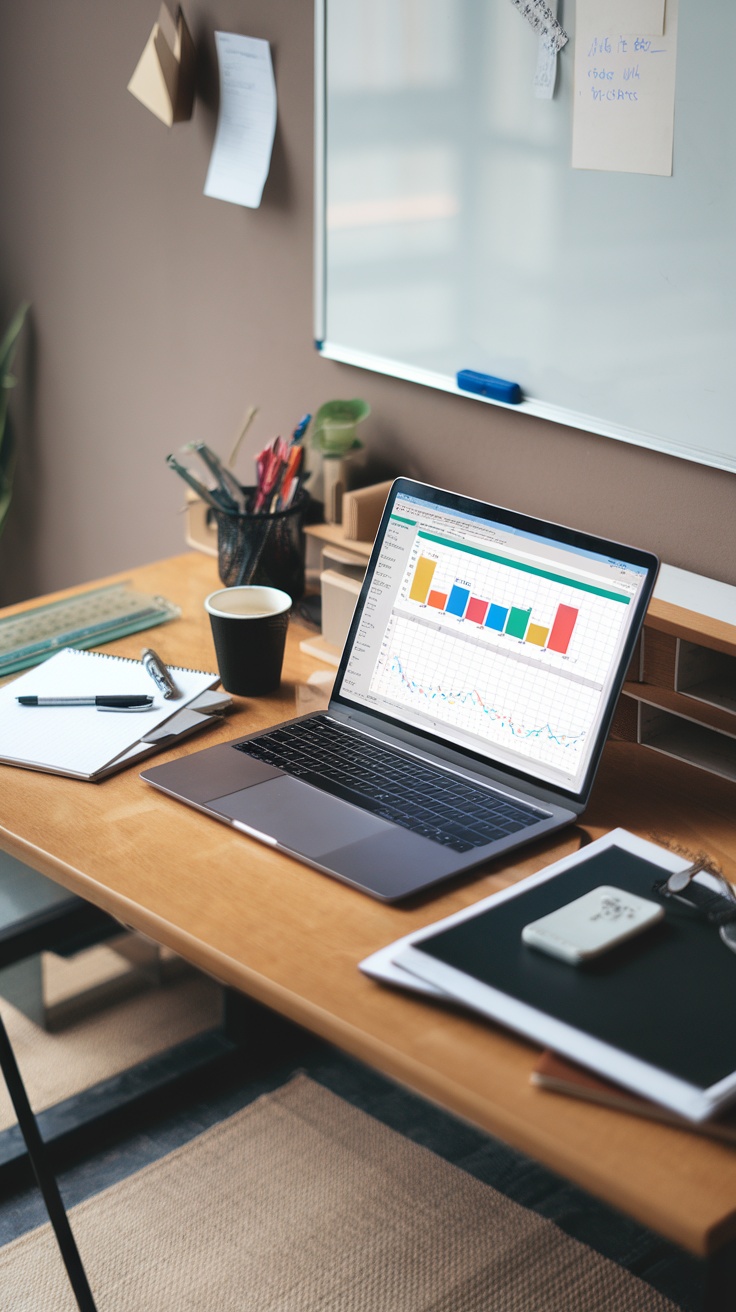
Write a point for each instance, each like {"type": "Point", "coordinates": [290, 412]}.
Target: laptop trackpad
{"type": "Point", "coordinates": [299, 817]}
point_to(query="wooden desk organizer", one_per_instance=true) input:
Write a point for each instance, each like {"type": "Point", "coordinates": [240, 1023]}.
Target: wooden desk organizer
{"type": "Point", "coordinates": [680, 693]}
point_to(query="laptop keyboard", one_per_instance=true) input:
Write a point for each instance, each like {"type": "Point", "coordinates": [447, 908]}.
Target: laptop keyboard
{"type": "Point", "coordinates": [434, 803]}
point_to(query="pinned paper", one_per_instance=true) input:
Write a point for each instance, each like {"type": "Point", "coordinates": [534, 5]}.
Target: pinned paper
{"type": "Point", "coordinates": [241, 155]}
{"type": "Point", "coordinates": [163, 80]}
{"type": "Point", "coordinates": [545, 74]}
{"type": "Point", "coordinates": [543, 18]}
{"type": "Point", "coordinates": [624, 101]}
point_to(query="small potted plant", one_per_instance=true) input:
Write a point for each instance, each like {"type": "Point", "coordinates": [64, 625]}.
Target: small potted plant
{"type": "Point", "coordinates": [335, 438]}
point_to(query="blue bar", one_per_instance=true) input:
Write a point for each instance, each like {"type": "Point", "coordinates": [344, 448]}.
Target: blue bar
{"type": "Point", "coordinates": [457, 601]}
{"type": "Point", "coordinates": [496, 617]}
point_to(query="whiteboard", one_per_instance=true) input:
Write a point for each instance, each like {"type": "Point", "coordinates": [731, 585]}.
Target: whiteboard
{"type": "Point", "coordinates": [452, 232]}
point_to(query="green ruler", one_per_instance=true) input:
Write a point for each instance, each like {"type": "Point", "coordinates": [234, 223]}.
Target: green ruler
{"type": "Point", "coordinates": [82, 621]}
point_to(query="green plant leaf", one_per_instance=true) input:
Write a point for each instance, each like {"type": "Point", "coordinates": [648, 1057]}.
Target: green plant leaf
{"type": "Point", "coordinates": [10, 341]}
{"type": "Point", "coordinates": [6, 493]}
{"type": "Point", "coordinates": [7, 381]}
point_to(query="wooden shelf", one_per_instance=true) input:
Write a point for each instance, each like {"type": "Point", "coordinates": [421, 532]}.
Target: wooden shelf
{"type": "Point", "coordinates": [680, 698]}
{"type": "Point", "coordinates": [334, 535]}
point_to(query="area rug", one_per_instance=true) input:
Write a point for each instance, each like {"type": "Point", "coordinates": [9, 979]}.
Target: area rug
{"type": "Point", "coordinates": [112, 1039]}
{"type": "Point", "coordinates": [302, 1203]}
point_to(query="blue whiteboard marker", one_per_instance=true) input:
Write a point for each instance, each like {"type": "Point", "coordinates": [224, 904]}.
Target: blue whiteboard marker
{"type": "Point", "coordinates": [497, 389]}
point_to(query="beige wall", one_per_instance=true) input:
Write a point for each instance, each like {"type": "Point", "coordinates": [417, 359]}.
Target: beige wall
{"type": "Point", "coordinates": [159, 315]}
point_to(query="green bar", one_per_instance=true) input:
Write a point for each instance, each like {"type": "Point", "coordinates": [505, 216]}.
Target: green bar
{"type": "Point", "coordinates": [527, 569]}
{"type": "Point", "coordinates": [400, 520]}
{"type": "Point", "coordinates": [517, 621]}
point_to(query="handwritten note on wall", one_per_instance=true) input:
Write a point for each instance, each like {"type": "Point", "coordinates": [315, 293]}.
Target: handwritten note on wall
{"type": "Point", "coordinates": [241, 155]}
{"type": "Point", "coordinates": [624, 101]}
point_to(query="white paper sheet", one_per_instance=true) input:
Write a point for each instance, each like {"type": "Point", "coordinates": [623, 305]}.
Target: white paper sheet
{"type": "Point", "coordinates": [241, 155]}
{"type": "Point", "coordinates": [624, 100]}
{"type": "Point", "coordinates": [82, 740]}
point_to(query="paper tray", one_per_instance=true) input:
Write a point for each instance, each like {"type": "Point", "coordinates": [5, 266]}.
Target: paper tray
{"type": "Point", "coordinates": [658, 1016]}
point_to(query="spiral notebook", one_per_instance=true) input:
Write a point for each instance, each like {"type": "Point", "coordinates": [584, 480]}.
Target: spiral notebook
{"type": "Point", "coordinates": [86, 743]}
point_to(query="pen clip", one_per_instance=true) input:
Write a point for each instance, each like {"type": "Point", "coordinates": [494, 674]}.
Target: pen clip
{"type": "Point", "coordinates": [126, 710]}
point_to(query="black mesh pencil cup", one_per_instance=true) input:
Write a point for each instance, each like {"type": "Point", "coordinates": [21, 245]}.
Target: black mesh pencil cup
{"type": "Point", "coordinates": [265, 548]}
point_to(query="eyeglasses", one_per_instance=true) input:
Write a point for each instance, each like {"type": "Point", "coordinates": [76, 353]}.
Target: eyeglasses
{"type": "Point", "coordinates": [717, 906]}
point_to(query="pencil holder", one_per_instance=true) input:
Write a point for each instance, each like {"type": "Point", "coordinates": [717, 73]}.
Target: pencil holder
{"type": "Point", "coordinates": [267, 549]}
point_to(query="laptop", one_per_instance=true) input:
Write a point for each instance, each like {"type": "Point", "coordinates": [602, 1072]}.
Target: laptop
{"type": "Point", "coordinates": [470, 708]}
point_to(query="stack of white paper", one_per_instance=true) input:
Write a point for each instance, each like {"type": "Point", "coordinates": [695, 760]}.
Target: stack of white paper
{"type": "Point", "coordinates": [83, 741]}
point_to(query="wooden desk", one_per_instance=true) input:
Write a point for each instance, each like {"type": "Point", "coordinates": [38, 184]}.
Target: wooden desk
{"type": "Point", "coordinates": [291, 938]}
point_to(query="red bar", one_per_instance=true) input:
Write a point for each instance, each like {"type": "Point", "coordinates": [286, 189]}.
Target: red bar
{"type": "Point", "coordinates": [437, 599]}
{"type": "Point", "coordinates": [564, 623]}
{"type": "Point", "coordinates": [476, 610]}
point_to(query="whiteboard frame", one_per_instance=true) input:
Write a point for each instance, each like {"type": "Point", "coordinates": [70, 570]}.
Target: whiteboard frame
{"type": "Point", "coordinates": [540, 409]}
{"type": "Point", "coordinates": [426, 378]}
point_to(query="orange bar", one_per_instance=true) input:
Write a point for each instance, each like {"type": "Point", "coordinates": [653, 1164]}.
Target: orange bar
{"type": "Point", "coordinates": [437, 599]}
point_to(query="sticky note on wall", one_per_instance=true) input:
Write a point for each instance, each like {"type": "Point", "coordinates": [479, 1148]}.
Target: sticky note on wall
{"type": "Point", "coordinates": [624, 97]}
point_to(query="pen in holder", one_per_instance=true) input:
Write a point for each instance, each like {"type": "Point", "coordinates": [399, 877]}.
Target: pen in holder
{"type": "Point", "coordinates": [264, 548]}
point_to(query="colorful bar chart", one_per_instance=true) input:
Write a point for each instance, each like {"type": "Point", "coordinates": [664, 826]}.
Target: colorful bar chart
{"type": "Point", "coordinates": [516, 621]}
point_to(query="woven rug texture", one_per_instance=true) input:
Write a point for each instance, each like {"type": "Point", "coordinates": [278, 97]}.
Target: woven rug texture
{"type": "Point", "coordinates": [58, 1065]}
{"type": "Point", "coordinates": [302, 1203]}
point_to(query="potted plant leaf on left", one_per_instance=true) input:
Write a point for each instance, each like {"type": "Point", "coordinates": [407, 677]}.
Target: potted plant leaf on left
{"type": "Point", "coordinates": [7, 381]}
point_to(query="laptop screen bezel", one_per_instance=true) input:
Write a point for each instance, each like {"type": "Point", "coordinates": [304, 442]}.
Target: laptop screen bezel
{"type": "Point", "coordinates": [566, 536]}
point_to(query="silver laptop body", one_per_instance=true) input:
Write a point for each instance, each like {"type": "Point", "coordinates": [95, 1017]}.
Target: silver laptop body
{"type": "Point", "coordinates": [487, 651]}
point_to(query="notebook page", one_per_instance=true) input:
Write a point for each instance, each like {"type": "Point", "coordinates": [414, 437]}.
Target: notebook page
{"type": "Point", "coordinates": [81, 739]}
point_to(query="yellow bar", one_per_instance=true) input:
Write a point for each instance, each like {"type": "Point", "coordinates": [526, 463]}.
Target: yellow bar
{"type": "Point", "coordinates": [536, 634]}
{"type": "Point", "coordinates": [423, 575]}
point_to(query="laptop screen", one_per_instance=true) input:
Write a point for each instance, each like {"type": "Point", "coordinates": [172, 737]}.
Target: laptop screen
{"type": "Point", "coordinates": [496, 633]}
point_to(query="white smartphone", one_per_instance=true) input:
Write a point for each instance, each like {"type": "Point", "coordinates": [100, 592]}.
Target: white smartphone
{"type": "Point", "coordinates": [592, 924]}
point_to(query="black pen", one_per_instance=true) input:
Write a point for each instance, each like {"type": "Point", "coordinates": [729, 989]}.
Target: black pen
{"type": "Point", "coordinates": [121, 701]}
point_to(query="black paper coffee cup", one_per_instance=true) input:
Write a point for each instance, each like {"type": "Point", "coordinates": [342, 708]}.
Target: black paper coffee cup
{"type": "Point", "coordinates": [249, 630]}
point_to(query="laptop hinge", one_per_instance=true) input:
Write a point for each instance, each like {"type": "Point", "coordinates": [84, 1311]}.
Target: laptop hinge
{"type": "Point", "coordinates": [435, 753]}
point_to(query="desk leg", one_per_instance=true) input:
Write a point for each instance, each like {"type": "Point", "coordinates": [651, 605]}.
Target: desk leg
{"type": "Point", "coordinates": [720, 1280]}
{"type": "Point", "coordinates": [45, 1176]}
